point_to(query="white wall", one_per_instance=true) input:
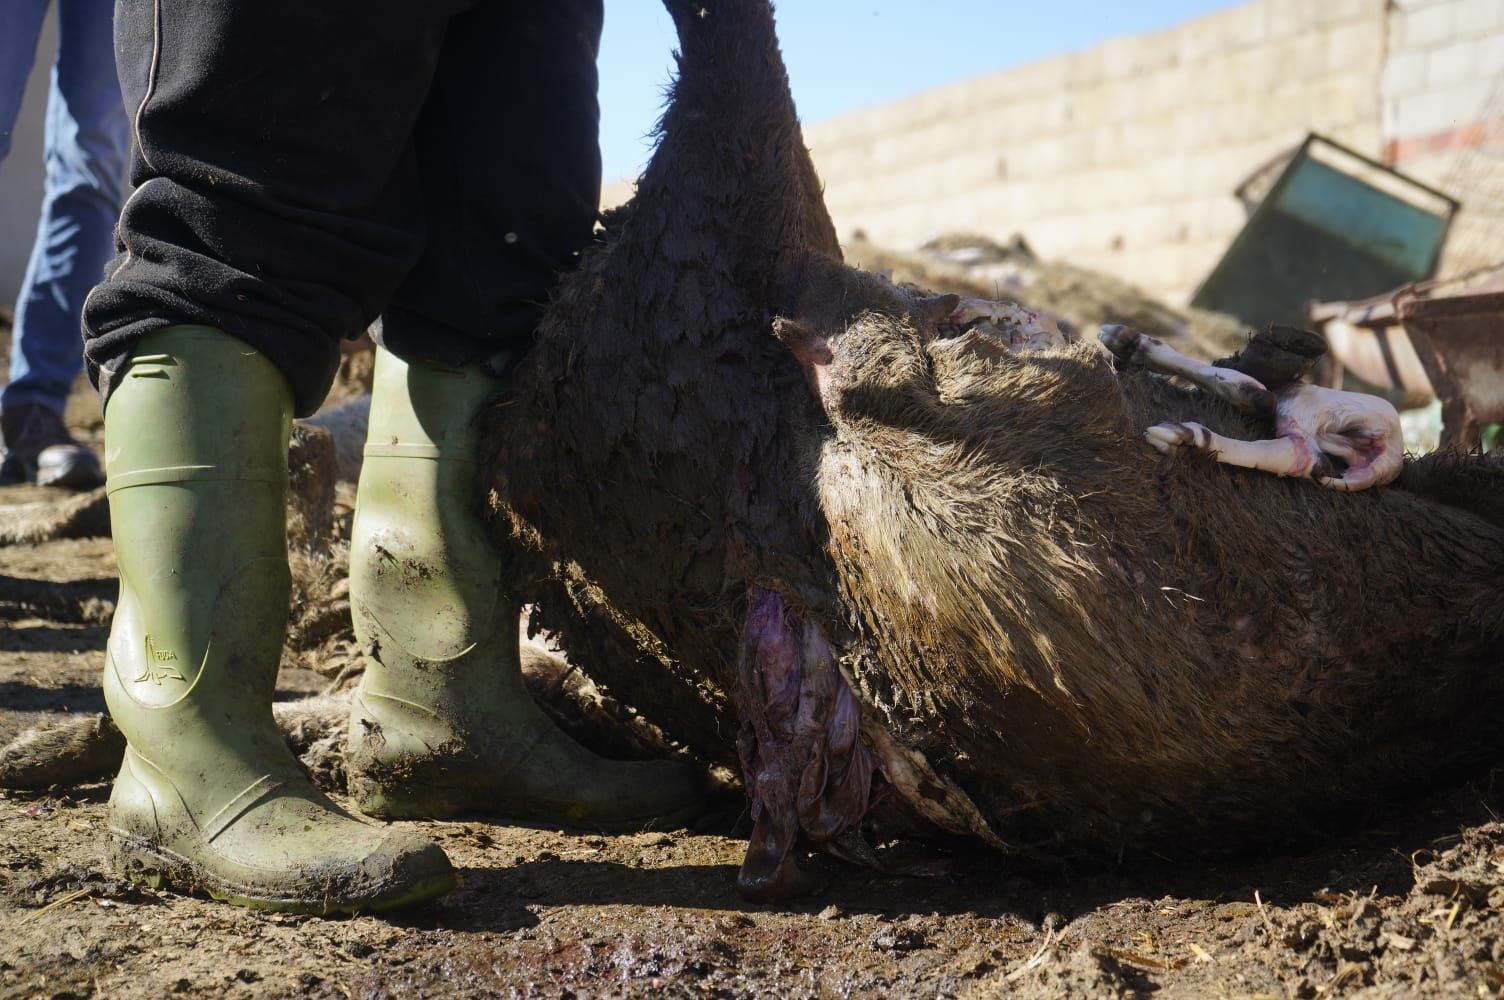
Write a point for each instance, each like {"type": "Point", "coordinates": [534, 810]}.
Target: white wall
{"type": "Point", "coordinates": [1443, 109]}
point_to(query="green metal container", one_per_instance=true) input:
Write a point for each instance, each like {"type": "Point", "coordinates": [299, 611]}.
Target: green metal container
{"type": "Point", "coordinates": [1335, 225]}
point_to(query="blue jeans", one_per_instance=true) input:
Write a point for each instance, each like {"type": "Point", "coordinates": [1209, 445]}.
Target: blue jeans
{"type": "Point", "coordinates": [85, 147]}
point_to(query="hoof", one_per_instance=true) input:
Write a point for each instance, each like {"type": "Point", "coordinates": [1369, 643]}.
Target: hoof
{"type": "Point", "coordinates": [1250, 396]}
{"type": "Point", "coordinates": [1171, 438]}
{"type": "Point", "coordinates": [1122, 342]}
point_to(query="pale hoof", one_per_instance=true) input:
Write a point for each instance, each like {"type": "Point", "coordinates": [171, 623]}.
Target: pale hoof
{"type": "Point", "coordinates": [1243, 391]}
{"type": "Point", "coordinates": [1122, 342]}
{"type": "Point", "coordinates": [1168, 439]}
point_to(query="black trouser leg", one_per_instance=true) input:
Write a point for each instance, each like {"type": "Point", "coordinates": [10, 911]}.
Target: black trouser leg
{"type": "Point", "coordinates": [276, 187]}
{"type": "Point", "coordinates": [280, 180]}
{"type": "Point", "coordinates": [509, 161]}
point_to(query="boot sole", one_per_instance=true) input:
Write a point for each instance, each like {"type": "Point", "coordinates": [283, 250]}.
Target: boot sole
{"type": "Point", "coordinates": [373, 801]}
{"type": "Point", "coordinates": [157, 867]}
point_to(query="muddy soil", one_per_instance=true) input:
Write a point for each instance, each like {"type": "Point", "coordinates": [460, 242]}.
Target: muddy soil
{"type": "Point", "coordinates": [1404, 902]}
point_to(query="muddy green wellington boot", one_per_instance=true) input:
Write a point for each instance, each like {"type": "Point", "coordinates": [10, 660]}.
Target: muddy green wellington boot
{"type": "Point", "coordinates": [441, 722]}
{"type": "Point", "coordinates": [209, 797]}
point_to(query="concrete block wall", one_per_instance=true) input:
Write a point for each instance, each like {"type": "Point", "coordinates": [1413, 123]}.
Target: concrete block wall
{"type": "Point", "coordinates": [1442, 91]}
{"type": "Point", "coordinates": [1123, 157]}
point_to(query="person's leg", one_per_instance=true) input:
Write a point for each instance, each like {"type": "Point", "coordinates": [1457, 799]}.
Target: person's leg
{"type": "Point", "coordinates": [441, 723]}
{"type": "Point", "coordinates": [274, 212]}
{"type": "Point", "coordinates": [509, 160]}
{"type": "Point", "coordinates": [275, 188]}
{"type": "Point", "coordinates": [85, 144]}
{"type": "Point", "coordinates": [20, 29]}
{"type": "Point", "coordinates": [209, 797]}
{"type": "Point", "coordinates": [507, 151]}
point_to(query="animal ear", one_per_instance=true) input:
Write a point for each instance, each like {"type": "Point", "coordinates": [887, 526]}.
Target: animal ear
{"type": "Point", "coordinates": [811, 350]}
{"type": "Point", "coordinates": [931, 312]}
{"type": "Point", "coordinates": [809, 347]}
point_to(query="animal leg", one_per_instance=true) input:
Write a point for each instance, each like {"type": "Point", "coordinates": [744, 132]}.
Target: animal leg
{"type": "Point", "coordinates": [1284, 456]}
{"type": "Point", "coordinates": [1134, 348]}
{"type": "Point", "coordinates": [1362, 431]}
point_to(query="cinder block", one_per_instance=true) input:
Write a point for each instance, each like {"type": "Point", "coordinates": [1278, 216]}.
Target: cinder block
{"type": "Point", "coordinates": [1064, 196]}
{"type": "Point", "coordinates": [1427, 27]}
{"type": "Point", "coordinates": [1033, 159]}
{"type": "Point", "coordinates": [1107, 145]}
{"type": "Point", "coordinates": [982, 140]}
{"type": "Point", "coordinates": [1217, 173]}
{"type": "Point", "coordinates": [1305, 56]}
{"type": "Point", "coordinates": [1404, 74]}
{"type": "Point", "coordinates": [1044, 76]}
{"type": "Point", "coordinates": [1260, 69]}
{"type": "Point", "coordinates": [1104, 190]}
{"type": "Point", "coordinates": [1058, 113]}
{"type": "Point", "coordinates": [902, 115]}
{"type": "Point", "coordinates": [1289, 18]}
{"type": "Point", "coordinates": [1436, 110]}
{"type": "Point", "coordinates": [1211, 218]}
{"type": "Point", "coordinates": [1155, 52]}
{"type": "Point", "coordinates": [841, 130]}
{"type": "Point", "coordinates": [617, 192]}
{"type": "Point", "coordinates": [1001, 88]}
{"type": "Point", "coordinates": [1212, 81]}
{"type": "Point", "coordinates": [1090, 107]}
{"type": "Point", "coordinates": [938, 140]}
{"type": "Point", "coordinates": [1245, 26]}
{"type": "Point", "coordinates": [1156, 90]}
{"type": "Point", "coordinates": [1194, 128]}
{"type": "Point", "coordinates": [1078, 151]}
{"type": "Point", "coordinates": [1197, 41]}
{"type": "Point", "coordinates": [1340, 11]}
{"type": "Point", "coordinates": [888, 150]}
{"type": "Point", "coordinates": [1238, 120]}
{"type": "Point", "coordinates": [1105, 105]}
{"type": "Point", "coordinates": [929, 106]}
{"type": "Point", "coordinates": [1491, 54]}
{"type": "Point", "coordinates": [1337, 100]}
{"type": "Point", "coordinates": [1476, 17]}
{"type": "Point", "coordinates": [1355, 46]}
{"type": "Point", "coordinates": [1120, 186]}
{"type": "Point", "coordinates": [1117, 58]}
{"type": "Point", "coordinates": [1365, 135]}
{"type": "Point", "coordinates": [1151, 266]}
{"type": "Point", "coordinates": [997, 205]}
{"type": "Point", "coordinates": [1202, 257]}
{"type": "Point", "coordinates": [1149, 139]}
{"type": "Point", "coordinates": [1163, 222]}
{"type": "Point", "coordinates": [1454, 63]}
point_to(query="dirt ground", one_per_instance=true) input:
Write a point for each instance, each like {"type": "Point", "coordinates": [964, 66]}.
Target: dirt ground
{"type": "Point", "coordinates": [1404, 902]}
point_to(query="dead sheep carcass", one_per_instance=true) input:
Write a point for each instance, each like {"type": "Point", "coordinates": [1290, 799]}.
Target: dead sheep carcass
{"type": "Point", "coordinates": [777, 509]}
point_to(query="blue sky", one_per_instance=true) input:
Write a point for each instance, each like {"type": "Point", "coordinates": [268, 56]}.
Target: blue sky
{"type": "Point", "coordinates": [847, 54]}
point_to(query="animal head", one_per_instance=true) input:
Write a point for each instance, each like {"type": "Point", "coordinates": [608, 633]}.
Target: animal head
{"type": "Point", "coordinates": [849, 329]}
{"type": "Point", "coordinates": [865, 343]}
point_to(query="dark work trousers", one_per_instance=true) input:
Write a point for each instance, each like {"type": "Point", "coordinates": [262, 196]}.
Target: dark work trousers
{"type": "Point", "coordinates": [304, 166]}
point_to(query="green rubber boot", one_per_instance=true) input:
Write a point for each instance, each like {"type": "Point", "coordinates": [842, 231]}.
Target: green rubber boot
{"type": "Point", "coordinates": [441, 722]}
{"type": "Point", "coordinates": [209, 797]}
